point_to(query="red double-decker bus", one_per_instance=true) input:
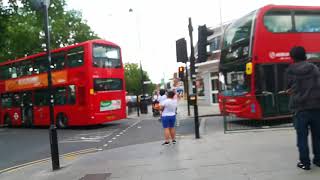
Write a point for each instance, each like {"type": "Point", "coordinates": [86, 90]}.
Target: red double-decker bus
{"type": "Point", "coordinates": [88, 87]}
{"type": "Point", "coordinates": [255, 56]}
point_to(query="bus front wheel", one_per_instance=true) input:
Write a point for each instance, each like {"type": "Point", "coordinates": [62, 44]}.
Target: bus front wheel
{"type": "Point", "coordinates": [62, 121]}
{"type": "Point", "coordinates": [7, 120]}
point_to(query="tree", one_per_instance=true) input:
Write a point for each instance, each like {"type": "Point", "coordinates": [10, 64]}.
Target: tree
{"type": "Point", "coordinates": [133, 79]}
{"type": "Point", "coordinates": [21, 28]}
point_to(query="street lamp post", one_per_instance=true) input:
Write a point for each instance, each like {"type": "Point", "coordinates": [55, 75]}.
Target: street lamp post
{"type": "Point", "coordinates": [139, 56]}
{"type": "Point", "coordinates": [43, 5]}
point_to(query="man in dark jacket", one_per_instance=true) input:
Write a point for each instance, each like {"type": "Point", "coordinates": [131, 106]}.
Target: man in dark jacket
{"type": "Point", "coordinates": [304, 90]}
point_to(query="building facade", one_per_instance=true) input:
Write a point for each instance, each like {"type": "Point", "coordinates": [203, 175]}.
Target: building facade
{"type": "Point", "coordinates": [208, 71]}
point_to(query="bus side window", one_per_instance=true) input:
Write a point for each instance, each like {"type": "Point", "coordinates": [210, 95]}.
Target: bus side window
{"type": "Point", "coordinates": [60, 96]}
{"type": "Point", "coordinates": [58, 61]}
{"type": "Point", "coordinates": [14, 71]}
{"type": "Point", "coordinates": [41, 97]}
{"type": "Point", "coordinates": [40, 65]}
{"type": "Point", "coordinates": [5, 72]}
{"type": "Point", "coordinates": [6, 100]}
{"type": "Point", "coordinates": [25, 68]}
{"type": "Point", "coordinates": [75, 57]}
{"type": "Point", "coordinates": [16, 100]}
{"type": "Point", "coordinates": [71, 94]}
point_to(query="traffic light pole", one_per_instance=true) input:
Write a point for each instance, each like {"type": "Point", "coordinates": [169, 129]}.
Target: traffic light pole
{"type": "Point", "coordinates": [193, 78]}
{"type": "Point", "coordinates": [186, 85]}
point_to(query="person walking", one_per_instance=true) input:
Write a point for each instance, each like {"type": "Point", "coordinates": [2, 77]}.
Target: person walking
{"type": "Point", "coordinates": [168, 118]}
{"type": "Point", "coordinates": [304, 90]}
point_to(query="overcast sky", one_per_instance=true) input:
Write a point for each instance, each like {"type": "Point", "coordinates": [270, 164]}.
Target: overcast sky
{"type": "Point", "coordinates": [149, 32]}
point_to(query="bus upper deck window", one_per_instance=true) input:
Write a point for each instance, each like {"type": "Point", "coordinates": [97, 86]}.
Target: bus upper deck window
{"type": "Point", "coordinates": [307, 21]}
{"type": "Point", "coordinates": [106, 56]}
{"type": "Point", "coordinates": [278, 21]}
{"type": "Point", "coordinates": [75, 57]}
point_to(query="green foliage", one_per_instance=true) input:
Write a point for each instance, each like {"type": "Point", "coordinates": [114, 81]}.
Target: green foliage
{"type": "Point", "coordinates": [22, 31]}
{"type": "Point", "coordinates": [133, 79]}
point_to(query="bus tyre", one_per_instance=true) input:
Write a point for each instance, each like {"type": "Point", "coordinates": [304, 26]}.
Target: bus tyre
{"type": "Point", "coordinates": [62, 121]}
{"type": "Point", "coordinates": [7, 120]}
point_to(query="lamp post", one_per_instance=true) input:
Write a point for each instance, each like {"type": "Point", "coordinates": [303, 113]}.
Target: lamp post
{"type": "Point", "coordinates": [43, 5]}
{"type": "Point", "coordinates": [139, 56]}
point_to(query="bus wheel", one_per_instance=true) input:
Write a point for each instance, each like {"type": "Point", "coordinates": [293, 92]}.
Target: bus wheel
{"type": "Point", "coordinates": [7, 120]}
{"type": "Point", "coordinates": [62, 121]}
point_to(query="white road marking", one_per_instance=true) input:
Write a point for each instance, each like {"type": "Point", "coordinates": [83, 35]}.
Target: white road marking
{"type": "Point", "coordinates": [89, 137]}
{"type": "Point", "coordinates": [79, 141]}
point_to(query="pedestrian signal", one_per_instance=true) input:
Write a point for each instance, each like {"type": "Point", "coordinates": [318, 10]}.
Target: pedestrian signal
{"type": "Point", "coordinates": [181, 72]}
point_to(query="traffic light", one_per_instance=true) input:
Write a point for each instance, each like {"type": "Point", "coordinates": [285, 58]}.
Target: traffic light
{"type": "Point", "coordinates": [181, 48]}
{"type": "Point", "coordinates": [203, 33]}
{"type": "Point", "coordinates": [181, 72]}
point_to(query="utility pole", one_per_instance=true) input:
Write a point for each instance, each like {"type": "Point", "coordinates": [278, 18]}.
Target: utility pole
{"type": "Point", "coordinates": [193, 98]}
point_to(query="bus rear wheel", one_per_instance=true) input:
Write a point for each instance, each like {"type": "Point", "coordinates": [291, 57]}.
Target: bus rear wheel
{"type": "Point", "coordinates": [62, 121]}
{"type": "Point", "coordinates": [7, 120]}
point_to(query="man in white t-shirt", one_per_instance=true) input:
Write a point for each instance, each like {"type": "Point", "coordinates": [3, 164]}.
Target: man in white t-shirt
{"type": "Point", "coordinates": [168, 117]}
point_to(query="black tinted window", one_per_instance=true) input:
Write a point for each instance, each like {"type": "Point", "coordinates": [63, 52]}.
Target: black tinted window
{"type": "Point", "coordinates": [41, 97]}
{"type": "Point", "coordinates": [25, 68]}
{"type": "Point", "coordinates": [71, 94]}
{"type": "Point", "coordinates": [107, 84]}
{"type": "Point", "coordinates": [60, 96]}
{"type": "Point", "coordinates": [57, 61]}
{"type": "Point", "coordinates": [40, 65]}
{"type": "Point", "coordinates": [16, 100]}
{"type": "Point", "coordinates": [6, 100]}
{"type": "Point", "coordinates": [5, 72]}
{"type": "Point", "coordinates": [75, 57]}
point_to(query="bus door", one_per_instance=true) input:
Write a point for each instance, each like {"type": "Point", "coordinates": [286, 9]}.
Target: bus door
{"type": "Point", "coordinates": [271, 85]}
{"type": "Point", "coordinates": [27, 109]}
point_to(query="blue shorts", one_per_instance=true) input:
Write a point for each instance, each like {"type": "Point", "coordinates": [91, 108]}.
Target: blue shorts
{"type": "Point", "coordinates": [168, 121]}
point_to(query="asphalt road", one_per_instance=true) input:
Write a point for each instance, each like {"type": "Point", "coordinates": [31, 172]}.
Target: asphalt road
{"type": "Point", "coordinates": [21, 145]}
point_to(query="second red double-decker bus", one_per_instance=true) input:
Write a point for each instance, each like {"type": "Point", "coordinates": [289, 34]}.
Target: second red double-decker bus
{"type": "Point", "coordinates": [255, 56]}
{"type": "Point", "coordinates": [88, 87]}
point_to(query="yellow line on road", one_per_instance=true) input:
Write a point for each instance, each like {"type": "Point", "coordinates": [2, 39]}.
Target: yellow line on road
{"type": "Point", "coordinates": [68, 156]}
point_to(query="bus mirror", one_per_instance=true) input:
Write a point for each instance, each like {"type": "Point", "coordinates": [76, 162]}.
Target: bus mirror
{"type": "Point", "coordinates": [249, 68]}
